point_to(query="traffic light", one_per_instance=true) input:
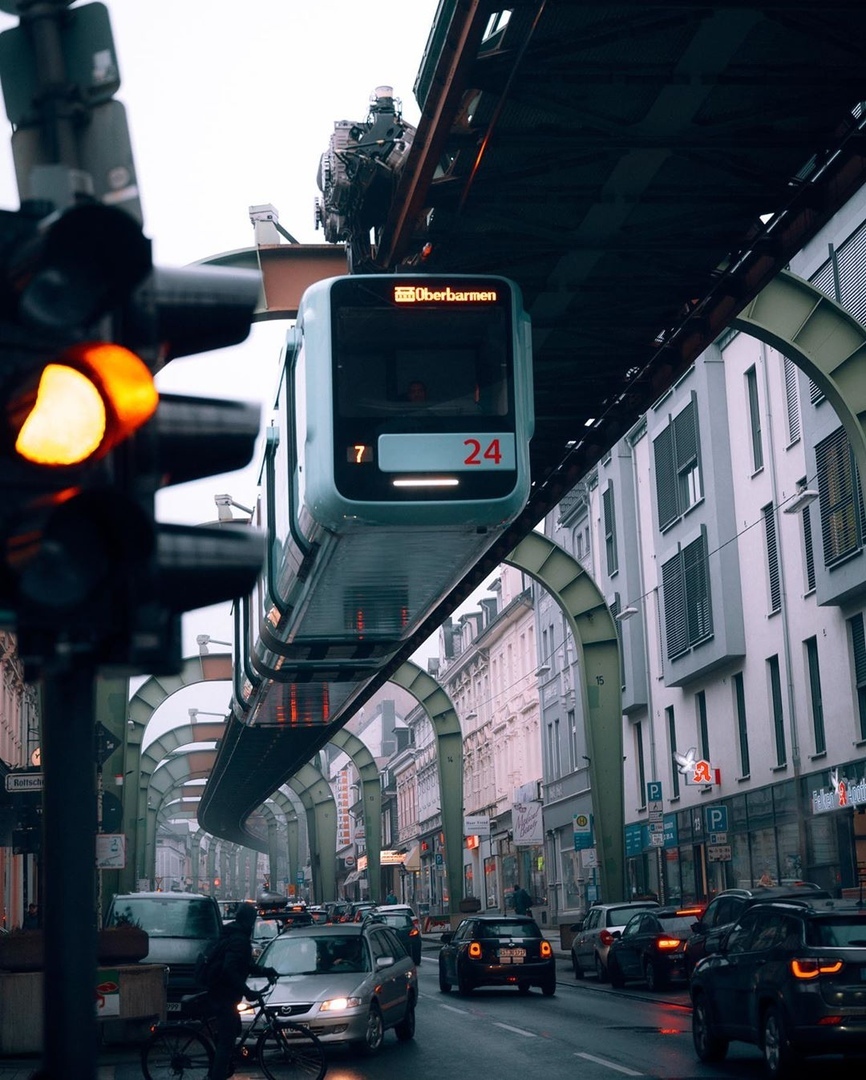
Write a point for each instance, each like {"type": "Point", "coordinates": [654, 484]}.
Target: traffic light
{"type": "Point", "coordinates": [86, 441]}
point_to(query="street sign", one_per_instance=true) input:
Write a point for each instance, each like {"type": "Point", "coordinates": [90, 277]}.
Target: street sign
{"type": "Point", "coordinates": [654, 791]}
{"type": "Point", "coordinates": [719, 853]}
{"type": "Point", "coordinates": [106, 743]}
{"type": "Point", "coordinates": [25, 781]}
{"type": "Point", "coordinates": [716, 818]}
{"type": "Point", "coordinates": [718, 838]}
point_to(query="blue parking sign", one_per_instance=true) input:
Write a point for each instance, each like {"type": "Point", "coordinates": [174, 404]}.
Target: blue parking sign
{"type": "Point", "coordinates": [716, 818]}
{"type": "Point", "coordinates": [654, 791]}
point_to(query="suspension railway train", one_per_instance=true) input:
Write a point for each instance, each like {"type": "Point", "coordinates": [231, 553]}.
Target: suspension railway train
{"type": "Point", "coordinates": [398, 452]}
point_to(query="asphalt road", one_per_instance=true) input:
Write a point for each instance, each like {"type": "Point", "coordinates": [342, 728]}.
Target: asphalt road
{"type": "Point", "coordinates": [587, 1030]}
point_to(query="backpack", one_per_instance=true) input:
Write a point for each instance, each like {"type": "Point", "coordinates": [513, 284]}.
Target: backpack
{"type": "Point", "coordinates": [208, 964]}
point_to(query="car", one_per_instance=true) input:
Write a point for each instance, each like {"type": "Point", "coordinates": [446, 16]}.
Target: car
{"type": "Point", "coordinates": [593, 937]}
{"type": "Point", "coordinates": [404, 922]}
{"type": "Point", "coordinates": [179, 926]}
{"type": "Point", "coordinates": [288, 913]}
{"type": "Point", "coordinates": [652, 947]}
{"type": "Point", "coordinates": [497, 950]}
{"type": "Point", "coordinates": [725, 908]}
{"type": "Point", "coordinates": [788, 978]}
{"type": "Point", "coordinates": [319, 914]}
{"type": "Point", "coordinates": [348, 982]}
{"type": "Point", "coordinates": [264, 931]}
{"type": "Point", "coordinates": [356, 910]}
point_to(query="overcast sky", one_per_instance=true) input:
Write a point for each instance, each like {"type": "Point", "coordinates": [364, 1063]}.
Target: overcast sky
{"type": "Point", "coordinates": [230, 105]}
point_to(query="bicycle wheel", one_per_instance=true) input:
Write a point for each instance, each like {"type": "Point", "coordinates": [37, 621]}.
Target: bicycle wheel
{"type": "Point", "coordinates": [176, 1052]}
{"type": "Point", "coordinates": [291, 1052]}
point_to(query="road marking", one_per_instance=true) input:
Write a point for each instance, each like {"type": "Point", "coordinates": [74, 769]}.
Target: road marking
{"type": "Point", "coordinates": [516, 1030]}
{"type": "Point", "coordinates": [609, 1064]}
{"type": "Point", "coordinates": [451, 1008]}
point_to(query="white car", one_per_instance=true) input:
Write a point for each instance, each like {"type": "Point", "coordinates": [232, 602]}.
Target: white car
{"type": "Point", "coordinates": [594, 936]}
{"type": "Point", "coordinates": [348, 982]}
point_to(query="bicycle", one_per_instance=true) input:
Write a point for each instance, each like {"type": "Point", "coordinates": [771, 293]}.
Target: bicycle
{"type": "Point", "coordinates": [184, 1049]}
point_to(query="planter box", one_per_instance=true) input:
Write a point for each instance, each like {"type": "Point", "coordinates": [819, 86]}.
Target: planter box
{"type": "Point", "coordinates": [25, 950]}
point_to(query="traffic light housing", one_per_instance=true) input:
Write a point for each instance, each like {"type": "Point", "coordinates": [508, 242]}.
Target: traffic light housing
{"type": "Point", "coordinates": [86, 441]}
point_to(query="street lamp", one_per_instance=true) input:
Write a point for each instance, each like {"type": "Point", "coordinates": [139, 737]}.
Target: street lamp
{"type": "Point", "coordinates": [203, 640]}
{"type": "Point", "coordinates": [194, 714]}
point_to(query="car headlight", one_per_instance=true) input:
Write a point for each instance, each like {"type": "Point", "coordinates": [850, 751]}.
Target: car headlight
{"type": "Point", "coordinates": [245, 1008]}
{"type": "Point", "coordinates": [340, 1003]}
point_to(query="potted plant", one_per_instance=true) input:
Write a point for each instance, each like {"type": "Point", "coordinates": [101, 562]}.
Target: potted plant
{"type": "Point", "coordinates": [122, 943]}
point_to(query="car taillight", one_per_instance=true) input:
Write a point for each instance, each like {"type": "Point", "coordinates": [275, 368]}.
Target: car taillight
{"type": "Point", "coordinates": [606, 938]}
{"type": "Point", "coordinates": [546, 950]}
{"type": "Point", "coordinates": [474, 950]}
{"type": "Point", "coordinates": [414, 931]}
{"type": "Point", "coordinates": [668, 943]}
{"type": "Point", "coordinates": [811, 968]}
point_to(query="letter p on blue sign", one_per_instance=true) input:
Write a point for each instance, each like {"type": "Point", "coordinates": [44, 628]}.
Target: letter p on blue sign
{"type": "Point", "coordinates": [717, 818]}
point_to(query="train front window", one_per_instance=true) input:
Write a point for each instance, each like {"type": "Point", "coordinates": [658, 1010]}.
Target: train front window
{"type": "Point", "coordinates": [416, 364]}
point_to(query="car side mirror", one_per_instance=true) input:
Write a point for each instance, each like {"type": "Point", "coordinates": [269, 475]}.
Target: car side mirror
{"type": "Point", "coordinates": [697, 927]}
{"type": "Point", "coordinates": [447, 937]}
{"type": "Point", "coordinates": [576, 927]}
{"type": "Point", "coordinates": [616, 934]}
{"type": "Point", "coordinates": [384, 962]}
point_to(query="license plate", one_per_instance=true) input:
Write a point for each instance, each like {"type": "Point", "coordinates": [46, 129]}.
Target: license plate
{"type": "Point", "coordinates": [512, 954]}
{"type": "Point", "coordinates": [172, 1006]}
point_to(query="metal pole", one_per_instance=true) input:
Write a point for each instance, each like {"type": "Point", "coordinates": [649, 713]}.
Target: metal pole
{"type": "Point", "coordinates": [69, 851]}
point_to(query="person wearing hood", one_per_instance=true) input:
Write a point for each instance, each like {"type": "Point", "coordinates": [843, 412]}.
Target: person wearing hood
{"type": "Point", "coordinates": [227, 985]}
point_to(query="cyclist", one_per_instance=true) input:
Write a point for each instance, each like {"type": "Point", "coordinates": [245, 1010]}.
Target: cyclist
{"type": "Point", "coordinates": [227, 985]}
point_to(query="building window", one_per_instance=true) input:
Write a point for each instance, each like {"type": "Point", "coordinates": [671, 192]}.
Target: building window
{"type": "Point", "coordinates": [703, 730]}
{"type": "Point", "coordinates": [778, 714]}
{"type": "Point", "coordinates": [672, 741]}
{"type": "Point", "coordinates": [609, 516]}
{"type": "Point", "coordinates": [742, 726]}
{"type": "Point", "coordinates": [686, 585]}
{"type": "Point", "coordinates": [774, 580]}
{"type": "Point", "coordinates": [808, 549]}
{"type": "Point", "coordinates": [641, 775]}
{"type": "Point", "coordinates": [858, 649]}
{"type": "Point", "coordinates": [754, 419]}
{"type": "Point", "coordinates": [678, 466]}
{"type": "Point", "coordinates": [841, 502]}
{"type": "Point", "coordinates": [571, 719]}
{"type": "Point", "coordinates": [792, 401]}
{"type": "Point", "coordinates": [816, 700]}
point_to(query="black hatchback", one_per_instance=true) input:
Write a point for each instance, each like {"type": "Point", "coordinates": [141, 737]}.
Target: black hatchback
{"type": "Point", "coordinates": [790, 978]}
{"type": "Point", "coordinates": [652, 947]}
{"type": "Point", "coordinates": [497, 950]}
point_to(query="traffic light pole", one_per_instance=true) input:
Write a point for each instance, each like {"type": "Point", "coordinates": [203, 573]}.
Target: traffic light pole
{"type": "Point", "coordinates": [70, 1036]}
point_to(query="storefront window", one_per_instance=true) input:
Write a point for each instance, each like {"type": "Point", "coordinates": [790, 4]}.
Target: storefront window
{"type": "Point", "coordinates": [765, 870]}
{"type": "Point", "coordinates": [739, 868]}
{"type": "Point", "coordinates": [572, 898]}
{"type": "Point", "coordinates": [788, 842]}
{"type": "Point", "coordinates": [491, 883]}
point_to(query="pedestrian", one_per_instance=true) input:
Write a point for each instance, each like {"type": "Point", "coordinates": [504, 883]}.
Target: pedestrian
{"type": "Point", "coordinates": [31, 918]}
{"type": "Point", "coordinates": [227, 985]}
{"type": "Point", "coordinates": [390, 898]}
{"type": "Point", "coordinates": [522, 901]}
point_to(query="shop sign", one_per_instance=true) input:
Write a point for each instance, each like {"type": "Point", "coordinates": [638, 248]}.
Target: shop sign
{"type": "Point", "coordinates": [843, 793]}
{"type": "Point", "coordinates": [696, 771]}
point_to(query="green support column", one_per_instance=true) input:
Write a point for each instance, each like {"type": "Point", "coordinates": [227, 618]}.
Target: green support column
{"type": "Point", "coordinates": [371, 796]}
{"type": "Point", "coordinates": [318, 799]}
{"type": "Point", "coordinates": [449, 758]}
{"type": "Point", "coordinates": [597, 644]}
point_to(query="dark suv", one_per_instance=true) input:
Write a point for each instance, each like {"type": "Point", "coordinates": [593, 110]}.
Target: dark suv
{"type": "Point", "coordinates": [724, 910]}
{"type": "Point", "coordinates": [789, 978]}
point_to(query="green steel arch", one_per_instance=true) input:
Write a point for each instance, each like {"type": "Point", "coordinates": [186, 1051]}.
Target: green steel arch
{"type": "Point", "coordinates": [371, 796]}
{"type": "Point", "coordinates": [597, 644]}
{"type": "Point", "coordinates": [821, 338]}
{"type": "Point", "coordinates": [314, 791]}
{"type": "Point", "coordinates": [449, 757]}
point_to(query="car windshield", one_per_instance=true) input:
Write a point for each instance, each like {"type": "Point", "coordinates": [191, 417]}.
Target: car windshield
{"type": "Point", "coordinates": [619, 916]}
{"type": "Point", "coordinates": [525, 928]}
{"type": "Point", "coordinates": [843, 931]}
{"type": "Point", "coordinates": [265, 929]}
{"type": "Point", "coordinates": [677, 924]}
{"type": "Point", "coordinates": [169, 917]}
{"type": "Point", "coordinates": [292, 954]}
{"type": "Point", "coordinates": [396, 919]}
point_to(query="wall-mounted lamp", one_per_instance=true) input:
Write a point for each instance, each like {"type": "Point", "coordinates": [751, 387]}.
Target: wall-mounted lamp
{"type": "Point", "coordinates": [542, 669]}
{"type": "Point", "coordinates": [804, 497]}
{"type": "Point", "coordinates": [471, 715]}
{"type": "Point", "coordinates": [626, 613]}
{"type": "Point", "coordinates": [224, 504]}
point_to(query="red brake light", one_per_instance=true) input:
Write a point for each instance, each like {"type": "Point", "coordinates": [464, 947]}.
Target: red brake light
{"type": "Point", "coordinates": [546, 950]}
{"type": "Point", "coordinates": [475, 950]}
{"type": "Point", "coordinates": [811, 968]}
{"type": "Point", "coordinates": [668, 943]}
{"type": "Point", "coordinates": [413, 932]}
{"type": "Point", "coordinates": [606, 938]}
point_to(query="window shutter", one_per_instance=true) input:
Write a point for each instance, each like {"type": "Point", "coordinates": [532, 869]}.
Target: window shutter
{"type": "Point", "coordinates": [697, 583]}
{"type": "Point", "coordinates": [675, 607]}
{"type": "Point", "coordinates": [666, 486]}
{"type": "Point", "coordinates": [792, 400]}
{"type": "Point", "coordinates": [773, 575]}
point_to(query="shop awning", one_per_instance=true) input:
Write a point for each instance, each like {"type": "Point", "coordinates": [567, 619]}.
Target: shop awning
{"type": "Point", "coordinates": [413, 859]}
{"type": "Point", "coordinates": [353, 876]}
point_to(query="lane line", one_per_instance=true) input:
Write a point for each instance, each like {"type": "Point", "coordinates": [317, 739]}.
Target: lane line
{"type": "Point", "coordinates": [609, 1064]}
{"type": "Point", "coordinates": [451, 1008]}
{"type": "Point", "coordinates": [516, 1030]}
